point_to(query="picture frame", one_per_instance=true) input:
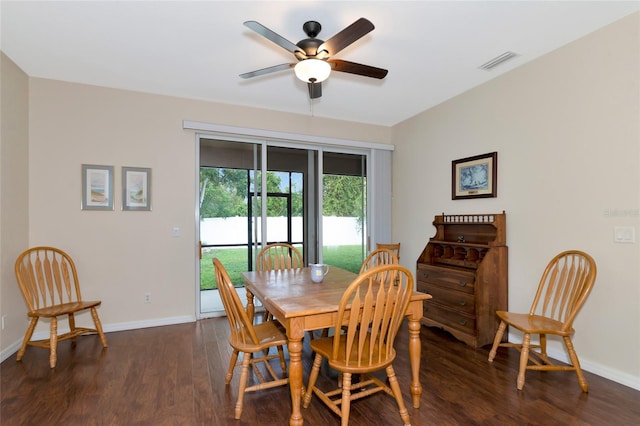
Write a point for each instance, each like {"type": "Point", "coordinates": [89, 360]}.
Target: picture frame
{"type": "Point", "coordinates": [136, 189]}
{"type": "Point", "coordinates": [97, 187]}
{"type": "Point", "coordinates": [475, 177]}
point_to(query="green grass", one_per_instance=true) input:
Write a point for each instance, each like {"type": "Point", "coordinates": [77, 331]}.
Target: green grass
{"type": "Point", "coordinates": [235, 262]}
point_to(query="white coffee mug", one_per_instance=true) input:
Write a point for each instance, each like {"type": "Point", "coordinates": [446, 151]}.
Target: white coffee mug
{"type": "Point", "coordinates": [318, 271]}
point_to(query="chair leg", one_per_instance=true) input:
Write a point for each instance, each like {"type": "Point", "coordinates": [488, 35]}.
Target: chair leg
{"type": "Point", "coordinates": [497, 340]}
{"type": "Point", "coordinates": [53, 342]}
{"type": "Point", "coordinates": [346, 398]}
{"type": "Point", "coordinates": [98, 324]}
{"type": "Point", "coordinates": [543, 349]}
{"type": "Point", "coordinates": [576, 364]}
{"type": "Point", "coordinates": [244, 375]}
{"type": "Point", "coordinates": [313, 376]}
{"type": "Point", "coordinates": [395, 387]}
{"type": "Point", "coordinates": [27, 337]}
{"type": "Point", "coordinates": [232, 366]}
{"type": "Point", "coordinates": [524, 360]}
{"type": "Point", "coordinates": [72, 328]}
{"type": "Point", "coordinates": [283, 362]}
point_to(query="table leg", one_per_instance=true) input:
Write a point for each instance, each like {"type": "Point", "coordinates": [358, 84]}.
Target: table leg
{"type": "Point", "coordinates": [295, 334]}
{"type": "Point", "coordinates": [414, 354]}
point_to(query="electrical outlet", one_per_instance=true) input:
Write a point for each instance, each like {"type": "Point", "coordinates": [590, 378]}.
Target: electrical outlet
{"type": "Point", "coordinates": [4, 320]}
{"type": "Point", "coordinates": [147, 298]}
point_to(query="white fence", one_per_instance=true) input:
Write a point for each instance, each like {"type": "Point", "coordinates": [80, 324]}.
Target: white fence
{"type": "Point", "coordinates": [233, 230]}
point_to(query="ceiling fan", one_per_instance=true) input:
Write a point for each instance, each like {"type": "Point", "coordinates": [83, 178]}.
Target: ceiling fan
{"type": "Point", "coordinates": [314, 56]}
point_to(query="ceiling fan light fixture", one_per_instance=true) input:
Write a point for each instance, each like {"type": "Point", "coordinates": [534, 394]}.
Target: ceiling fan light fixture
{"type": "Point", "coordinates": [312, 70]}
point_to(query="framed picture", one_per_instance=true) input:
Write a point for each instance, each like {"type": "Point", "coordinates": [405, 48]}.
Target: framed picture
{"type": "Point", "coordinates": [475, 177]}
{"type": "Point", "coordinates": [136, 188]}
{"type": "Point", "coordinates": [97, 187]}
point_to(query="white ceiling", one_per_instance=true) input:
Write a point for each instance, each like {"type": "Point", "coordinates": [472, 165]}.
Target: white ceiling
{"type": "Point", "coordinates": [432, 49]}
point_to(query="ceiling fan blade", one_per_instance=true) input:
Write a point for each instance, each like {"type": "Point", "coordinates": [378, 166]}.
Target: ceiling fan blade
{"type": "Point", "coordinates": [267, 70]}
{"type": "Point", "coordinates": [274, 37]}
{"type": "Point", "coordinates": [359, 69]}
{"type": "Point", "coordinates": [347, 36]}
{"type": "Point", "coordinates": [315, 90]}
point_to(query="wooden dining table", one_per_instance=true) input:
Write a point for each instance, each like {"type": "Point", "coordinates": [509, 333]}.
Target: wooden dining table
{"type": "Point", "coordinates": [302, 305]}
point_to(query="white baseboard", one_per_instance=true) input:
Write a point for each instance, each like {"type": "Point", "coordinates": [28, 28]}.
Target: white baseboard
{"type": "Point", "coordinates": [10, 350]}
{"type": "Point", "coordinates": [592, 367]}
{"type": "Point", "coordinates": [133, 325]}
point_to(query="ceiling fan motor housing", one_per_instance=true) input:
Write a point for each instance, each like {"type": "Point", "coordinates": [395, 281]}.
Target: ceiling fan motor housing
{"type": "Point", "coordinates": [310, 45]}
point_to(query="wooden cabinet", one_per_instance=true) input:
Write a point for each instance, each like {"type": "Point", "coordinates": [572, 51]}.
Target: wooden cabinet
{"type": "Point", "coordinates": [464, 267]}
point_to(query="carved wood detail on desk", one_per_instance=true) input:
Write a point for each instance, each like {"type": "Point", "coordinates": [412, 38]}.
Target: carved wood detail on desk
{"type": "Point", "coordinates": [465, 268]}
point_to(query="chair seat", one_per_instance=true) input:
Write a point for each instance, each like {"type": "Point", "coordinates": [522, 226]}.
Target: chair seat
{"type": "Point", "coordinates": [364, 363]}
{"type": "Point", "coordinates": [534, 324]}
{"type": "Point", "coordinates": [64, 309]}
{"type": "Point", "coordinates": [269, 335]}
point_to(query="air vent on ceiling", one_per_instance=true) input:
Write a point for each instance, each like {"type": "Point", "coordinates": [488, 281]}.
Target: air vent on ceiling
{"type": "Point", "coordinates": [500, 59]}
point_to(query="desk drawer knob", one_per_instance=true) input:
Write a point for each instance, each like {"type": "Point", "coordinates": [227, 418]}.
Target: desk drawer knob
{"type": "Point", "coordinates": [462, 303]}
{"type": "Point", "coordinates": [463, 322]}
{"type": "Point", "coordinates": [462, 283]}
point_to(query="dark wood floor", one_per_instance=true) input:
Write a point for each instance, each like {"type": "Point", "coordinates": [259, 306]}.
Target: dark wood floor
{"type": "Point", "coordinates": [174, 375]}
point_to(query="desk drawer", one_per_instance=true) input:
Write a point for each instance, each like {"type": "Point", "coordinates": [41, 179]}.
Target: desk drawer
{"type": "Point", "coordinates": [448, 317]}
{"type": "Point", "coordinates": [449, 278]}
{"type": "Point", "coordinates": [455, 300]}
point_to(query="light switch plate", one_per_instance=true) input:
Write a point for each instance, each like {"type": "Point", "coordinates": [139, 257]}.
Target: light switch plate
{"type": "Point", "coordinates": [624, 234]}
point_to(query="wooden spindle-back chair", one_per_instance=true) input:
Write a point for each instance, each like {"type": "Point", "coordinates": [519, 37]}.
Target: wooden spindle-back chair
{"type": "Point", "coordinates": [394, 247]}
{"type": "Point", "coordinates": [370, 314]}
{"type": "Point", "coordinates": [377, 257]}
{"type": "Point", "coordinates": [279, 256]}
{"type": "Point", "coordinates": [563, 289]}
{"type": "Point", "coordinates": [249, 339]}
{"type": "Point", "coordinates": [49, 283]}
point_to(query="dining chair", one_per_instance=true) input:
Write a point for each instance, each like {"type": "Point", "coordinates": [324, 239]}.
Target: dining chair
{"type": "Point", "coordinates": [278, 256]}
{"type": "Point", "coordinates": [371, 311]}
{"type": "Point", "coordinates": [395, 248]}
{"type": "Point", "coordinates": [563, 289]}
{"type": "Point", "coordinates": [49, 284]}
{"type": "Point", "coordinates": [249, 339]}
{"type": "Point", "coordinates": [379, 256]}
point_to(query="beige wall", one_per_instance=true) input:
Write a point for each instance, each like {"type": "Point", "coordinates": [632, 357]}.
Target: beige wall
{"type": "Point", "coordinates": [123, 255]}
{"type": "Point", "coordinates": [14, 191]}
{"type": "Point", "coordinates": [567, 131]}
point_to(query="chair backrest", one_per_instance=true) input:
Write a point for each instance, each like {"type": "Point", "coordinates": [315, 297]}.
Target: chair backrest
{"type": "Point", "coordinates": [242, 330]}
{"type": "Point", "coordinates": [47, 276]}
{"type": "Point", "coordinates": [279, 256]}
{"type": "Point", "coordinates": [380, 297]}
{"type": "Point", "coordinates": [564, 287]}
{"type": "Point", "coordinates": [377, 257]}
{"type": "Point", "coordinates": [395, 248]}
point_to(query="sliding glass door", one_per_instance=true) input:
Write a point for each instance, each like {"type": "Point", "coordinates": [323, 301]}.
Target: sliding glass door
{"type": "Point", "coordinates": [253, 194]}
